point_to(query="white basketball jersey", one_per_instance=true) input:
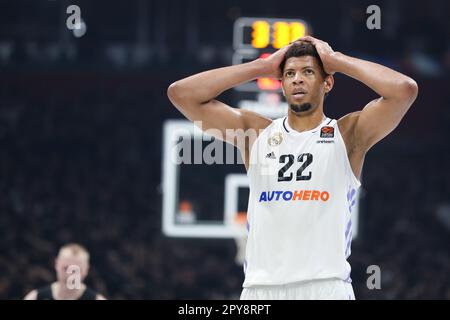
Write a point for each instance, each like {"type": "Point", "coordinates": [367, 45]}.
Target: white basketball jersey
{"type": "Point", "coordinates": [302, 191]}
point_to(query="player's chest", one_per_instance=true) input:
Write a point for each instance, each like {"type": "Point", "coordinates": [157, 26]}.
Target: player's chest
{"type": "Point", "coordinates": [283, 158]}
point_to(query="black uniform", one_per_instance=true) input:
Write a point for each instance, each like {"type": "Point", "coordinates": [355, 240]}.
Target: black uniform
{"type": "Point", "coordinates": [45, 293]}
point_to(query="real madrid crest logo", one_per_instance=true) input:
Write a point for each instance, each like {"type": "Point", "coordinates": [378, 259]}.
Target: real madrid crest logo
{"type": "Point", "coordinates": [276, 139]}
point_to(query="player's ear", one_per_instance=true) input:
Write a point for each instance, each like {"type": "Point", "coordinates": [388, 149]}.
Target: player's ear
{"type": "Point", "coordinates": [329, 83]}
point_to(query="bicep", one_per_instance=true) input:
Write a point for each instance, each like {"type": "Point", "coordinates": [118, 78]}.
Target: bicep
{"type": "Point", "coordinates": [222, 121]}
{"type": "Point", "coordinates": [377, 119]}
{"type": "Point", "coordinates": [216, 115]}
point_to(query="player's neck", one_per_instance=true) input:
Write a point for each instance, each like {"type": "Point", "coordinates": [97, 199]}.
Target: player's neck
{"type": "Point", "coordinates": [306, 122]}
{"type": "Point", "coordinates": [61, 292]}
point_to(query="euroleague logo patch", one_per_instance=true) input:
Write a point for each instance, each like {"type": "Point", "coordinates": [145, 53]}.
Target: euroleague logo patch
{"type": "Point", "coordinates": [327, 132]}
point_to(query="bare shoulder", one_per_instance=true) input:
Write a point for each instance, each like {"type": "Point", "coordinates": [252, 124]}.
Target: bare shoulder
{"type": "Point", "coordinates": [347, 125]}
{"type": "Point", "coordinates": [100, 297]}
{"type": "Point", "coordinates": [355, 152]}
{"type": "Point", "coordinates": [254, 124]}
{"type": "Point", "coordinates": [348, 122]}
{"type": "Point", "coordinates": [254, 120]}
{"type": "Point", "coordinates": [32, 295]}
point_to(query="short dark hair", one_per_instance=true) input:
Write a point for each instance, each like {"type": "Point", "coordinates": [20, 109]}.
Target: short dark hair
{"type": "Point", "coordinates": [300, 49]}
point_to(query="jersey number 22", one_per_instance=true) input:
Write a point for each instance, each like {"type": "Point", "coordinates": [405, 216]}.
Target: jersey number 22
{"type": "Point", "coordinates": [305, 158]}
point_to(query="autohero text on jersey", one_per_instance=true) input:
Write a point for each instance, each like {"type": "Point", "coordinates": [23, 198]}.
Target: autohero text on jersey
{"type": "Point", "coordinates": [313, 195]}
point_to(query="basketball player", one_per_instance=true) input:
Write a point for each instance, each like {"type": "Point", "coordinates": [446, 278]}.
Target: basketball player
{"type": "Point", "coordinates": [75, 257]}
{"type": "Point", "coordinates": [304, 168]}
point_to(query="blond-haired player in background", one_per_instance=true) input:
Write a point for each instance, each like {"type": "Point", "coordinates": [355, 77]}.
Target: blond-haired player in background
{"type": "Point", "coordinates": [304, 168]}
{"type": "Point", "coordinates": [72, 258]}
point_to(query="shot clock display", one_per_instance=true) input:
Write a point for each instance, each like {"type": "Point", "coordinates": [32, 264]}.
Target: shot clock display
{"type": "Point", "coordinates": [260, 37]}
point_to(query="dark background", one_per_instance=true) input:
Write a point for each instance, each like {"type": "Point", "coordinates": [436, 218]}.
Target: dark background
{"type": "Point", "coordinates": [81, 130]}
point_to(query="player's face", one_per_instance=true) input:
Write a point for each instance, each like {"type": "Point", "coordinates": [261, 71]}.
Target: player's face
{"type": "Point", "coordinates": [303, 84]}
{"type": "Point", "coordinates": [68, 265]}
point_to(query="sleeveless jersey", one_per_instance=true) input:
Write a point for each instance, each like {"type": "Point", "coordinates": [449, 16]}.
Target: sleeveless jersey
{"type": "Point", "coordinates": [302, 191]}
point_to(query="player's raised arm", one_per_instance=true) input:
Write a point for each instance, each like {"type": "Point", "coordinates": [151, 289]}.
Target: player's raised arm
{"type": "Point", "coordinates": [195, 96]}
{"type": "Point", "coordinates": [380, 116]}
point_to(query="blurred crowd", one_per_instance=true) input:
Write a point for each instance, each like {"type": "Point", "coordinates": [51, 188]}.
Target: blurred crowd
{"type": "Point", "coordinates": [141, 34]}
{"type": "Point", "coordinates": [78, 169]}
{"type": "Point", "coordinates": [86, 167]}
{"type": "Point", "coordinates": [81, 129]}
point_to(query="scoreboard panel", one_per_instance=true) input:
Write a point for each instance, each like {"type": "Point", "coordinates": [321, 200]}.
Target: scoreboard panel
{"type": "Point", "coordinates": [259, 37]}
